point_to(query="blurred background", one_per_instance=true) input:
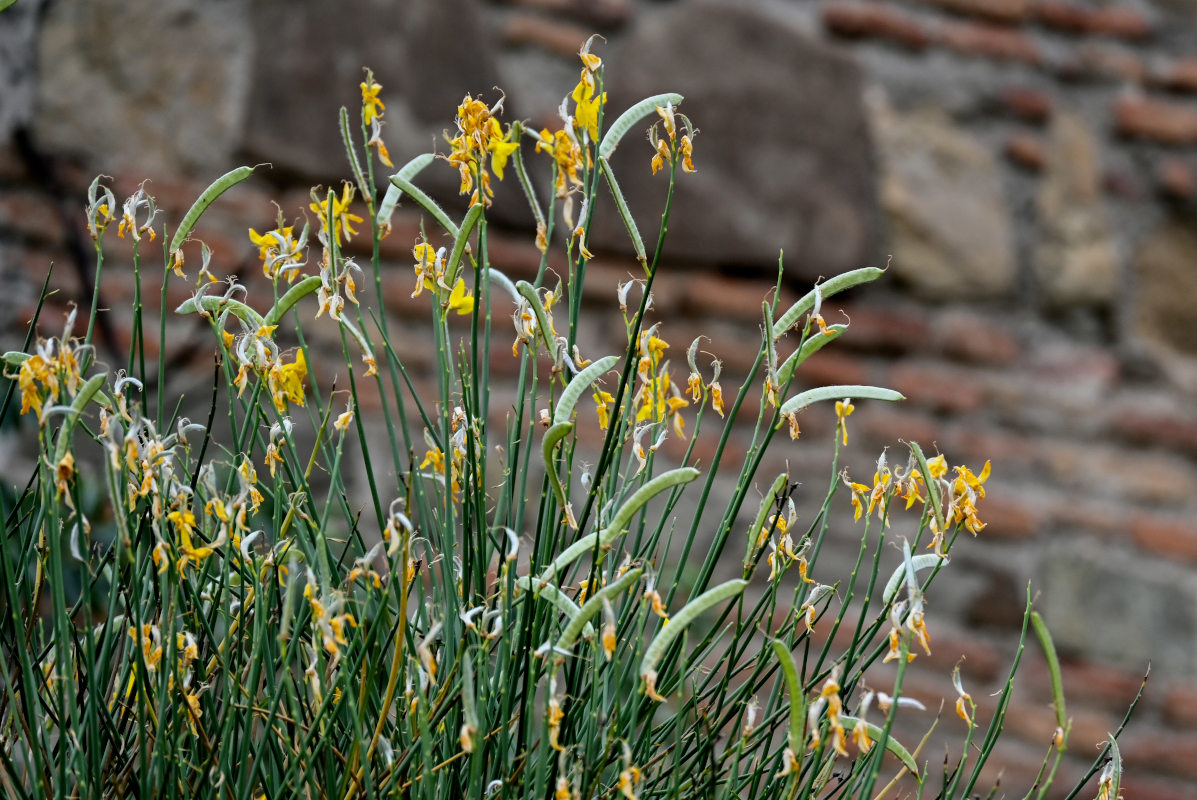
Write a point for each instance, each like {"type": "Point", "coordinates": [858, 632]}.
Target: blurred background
{"type": "Point", "coordinates": [1027, 168]}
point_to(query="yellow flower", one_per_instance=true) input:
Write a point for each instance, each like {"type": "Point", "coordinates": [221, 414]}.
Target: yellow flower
{"type": "Point", "coordinates": [588, 104]}
{"type": "Point", "coordinates": [427, 267]}
{"type": "Point", "coordinates": [937, 466]}
{"type": "Point", "coordinates": [341, 219]}
{"type": "Point", "coordinates": [280, 252]}
{"type": "Point", "coordinates": [843, 410]}
{"type": "Point", "coordinates": [603, 401]}
{"type": "Point", "coordinates": [500, 151]}
{"type": "Point", "coordinates": [628, 780]}
{"type": "Point", "coordinates": [716, 397]}
{"type": "Point", "coordinates": [459, 301]}
{"type": "Point", "coordinates": [568, 155]}
{"type": "Point", "coordinates": [372, 107]}
{"type": "Point", "coordinates": [286, 382]}
{"type": "Point", "coordinates": [554, 720]}
{"type": "Point", "coordinates": [686, 148]}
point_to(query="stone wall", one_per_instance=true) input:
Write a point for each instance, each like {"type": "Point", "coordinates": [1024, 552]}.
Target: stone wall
{"type": "Point", "coordinates": [1030, 166]}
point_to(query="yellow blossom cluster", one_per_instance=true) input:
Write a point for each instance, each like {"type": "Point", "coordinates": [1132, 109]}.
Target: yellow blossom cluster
{"type": "Point", "coordinates": [479, 139]}
{"type": "Point", "coordinates": [658, 398]}
{"type": "Point", "coordinates": [960, 494]}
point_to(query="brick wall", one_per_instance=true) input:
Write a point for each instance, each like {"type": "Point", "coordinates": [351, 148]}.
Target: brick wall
{"type": "Point", "coordinates": [1030, 165]}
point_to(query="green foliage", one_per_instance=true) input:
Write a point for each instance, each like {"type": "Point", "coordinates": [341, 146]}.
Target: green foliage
{"type": "Point", "coordinates": [201, 610]}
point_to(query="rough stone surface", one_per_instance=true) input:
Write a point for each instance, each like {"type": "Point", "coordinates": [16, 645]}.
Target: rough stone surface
{"type": "Point", "coordinates": [1141, 611]}
{"type": "Point", "coordinates": [297, 93]}
{"type": "Point", "coordinates": [18, 51]}
{"type": "Point", "coordinates": [768, 177]}
{"type": "Point", "coordinates": [153, 85]}
{"type": "Point", "coordinates": [1076, 260]}
{"type": "Point", "coordinates": [1165, 268]}
{"type": "Point", "coordinates": [950, 230]}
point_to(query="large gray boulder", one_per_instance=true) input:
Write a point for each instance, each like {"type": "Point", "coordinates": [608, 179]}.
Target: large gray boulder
{"type": "Point", "coordinates": [783, 158]}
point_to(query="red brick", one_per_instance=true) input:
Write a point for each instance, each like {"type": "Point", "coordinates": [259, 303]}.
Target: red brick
{"type": "Point", "coordinates": [1161, 753]}
{"type": "Point", "coordinates": [989, 41]}
{"type": "Point", "coordinates": [1176, 178]}
{"type": "Point", "coordinates": [1116, 21]}
{"type": "Point", "coordinates": [938, 387]}
{"type": "Point", "coordinates": [830, 368]}
{"type": "Point", "coordinates": [878, 330]}
{"type": "Point", "coordinates": [1007, 11]}
{"type": "Point", "coordinates": [1167, 123]}
{"type": "Point", "coordinates": [30, 215]}
{"type": "Point", "coordinates": [1170, 537]}
{"type": "Point", "coordinates": [889, 423]}
{"type": "Point", "coordinates": [1094, 518]}
{"type": "Point", "coordinates": [1179, 75]}
{"type": "Point", "coordinates": [1007, 517]}
{"type": "Point", "coordinates": [1034, 721]}
{"type": "Point", "coordinates": [1029, 104]}
{"type": "Point", "coordinates": [1138, 423]}
{"type": "Point", "coordinates": [973, 339]}
{"type": "Point", "coordinates": [1180, 705]}
{"type": "Point", "coordinates": [1138, 781]}
{"type": "Point", "coordinates": [551, 35]}
{"type": "Point", "coordinates": [874, 21]}
{"type": "Point", "coordinates": [1026, 150]}
{"type": "Point", "coordinates": [1086, 683]}
{"type": "Point", "coordinates": [713, 295]}
{"type": "Point", "coordinates": [1097, 62]}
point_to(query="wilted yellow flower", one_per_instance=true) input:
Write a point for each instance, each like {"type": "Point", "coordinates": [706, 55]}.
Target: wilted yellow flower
{"type": "Point", "coordinates": [286, 382]}
{"type": "Point", "coordinates": [843, 410]}
{"type": "Point", "coordinates": [337, 217]}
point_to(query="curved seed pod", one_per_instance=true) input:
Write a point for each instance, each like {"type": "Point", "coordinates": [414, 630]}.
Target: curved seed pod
{"type": "Point", "coordinates": [528, 292]}
{"type": "Point", "coordinates": [461, 242]}
{"type": "Point", "coordinates": [578, 386]}
{"type": "Point", "coordinates": [624, 214]}
{"type": "Point", "coordinates": [550, 592]}
{"type": "Point", "coordinates": [522, 173]}
{"type": "Point", "coordinates": [647, 492]}
{"type": "Point", "coordinates": [426, 202]}
{"type": "Point", "coordinates": [498, 278]}
{"type": "Point", "coordinates": [918, 564]}
{"type": "Point", "coordinates": [627, 119]}
{"type": "Point", "coordinates": [351, 152]}
{"type": "Point", "coordinates": [619, 522]}
{"type": "Point", "coordinates": [1053, 668]}
{"type": "Point", "coordinates": [797, 730]}
{"type": "Point", "coordinates": [218, 305]}
{"type": "Point", "coordinates": [767, 503]}
{"type": "Point", "coordinates": [81, 400]}
{"type": "Point", "coordinates": [827, 288]}
{"type": "Point", "coordinates": [290, 298]}
{"type": "Point", "coordinates": [594, 605]}
{"type": "Point", "coordinates": [15, 358]}
{"type": "Point", "coordinates": [678, 623]}
{"type": "Point", "coordinates": [933, 496]}
{"type": "Point", "coordinates": [207, 198]}
{"type": "Point", "coordinates": [812, 396]}
{"type": "Point", "coordinates": [891, 744]}
{"type": "Point", "coordinates": [391, 199]}
{"type": "Point", "coordinates": [551, 438]}
{"type": "Point", "coordinates": [813, 344]}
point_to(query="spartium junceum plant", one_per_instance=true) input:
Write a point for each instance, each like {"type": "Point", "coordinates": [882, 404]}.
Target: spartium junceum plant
{"type": "Point", "coordinates": [513, 607]}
